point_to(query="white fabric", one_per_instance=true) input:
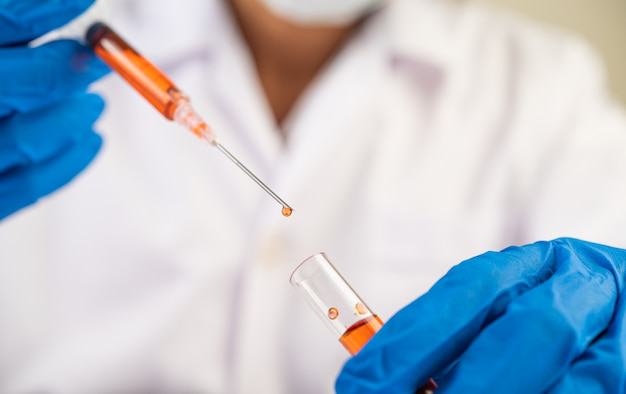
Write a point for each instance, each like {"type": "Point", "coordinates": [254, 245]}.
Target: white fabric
{"type": "Point", "coordinates": [441, 131]}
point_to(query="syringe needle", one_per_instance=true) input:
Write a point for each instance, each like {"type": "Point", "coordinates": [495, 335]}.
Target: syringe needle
{"type": "Point", "coordinates": [287, 210]}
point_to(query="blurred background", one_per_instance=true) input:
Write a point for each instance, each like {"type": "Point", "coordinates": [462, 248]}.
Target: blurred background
{"type": "Point", "coordinates": [601, 22]}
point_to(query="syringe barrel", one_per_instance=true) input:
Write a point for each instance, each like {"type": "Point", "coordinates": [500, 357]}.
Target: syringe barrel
{"type": "Point", "coordinates": [145, 77]}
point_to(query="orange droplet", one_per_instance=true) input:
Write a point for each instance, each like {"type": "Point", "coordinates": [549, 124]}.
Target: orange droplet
{"type": "Point", "coordinates": [287, 211]}
{"type": "Point", "coordinates": [360, 308]}
{"type": "Point", "coordinates": [333, 313]}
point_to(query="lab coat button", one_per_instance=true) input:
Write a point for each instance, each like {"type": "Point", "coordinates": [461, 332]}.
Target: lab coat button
{"type": "Point", "coordinates": [272, 250]}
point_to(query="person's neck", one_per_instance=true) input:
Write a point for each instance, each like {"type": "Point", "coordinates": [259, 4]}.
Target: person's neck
{"type": "Point", "coordinates": [287, 56]}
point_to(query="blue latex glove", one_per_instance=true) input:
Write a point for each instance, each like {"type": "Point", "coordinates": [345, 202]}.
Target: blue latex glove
{"type": "Point", "coordinates": [546, 317]}
{"type": "Point", "coordinates": [46, 117]}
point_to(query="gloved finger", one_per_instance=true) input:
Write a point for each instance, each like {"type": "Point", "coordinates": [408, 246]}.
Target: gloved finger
{"type": "Point", "coordinates": [541, 333]}
{"type": "Point", "coordinates": [31, 78]}
{"type": "Point", "coordinates": [602, 368]}
{"type": "Point", "coordinates": [429, 334]}
{"type": "Point", "coordinates": [22, 186]}
{"type": "Point", "coordinates": [37, 136]}
{"type": "Point", "coordinates": [24, 20]}
{"type": "Point", "coordinates": [432, 331]}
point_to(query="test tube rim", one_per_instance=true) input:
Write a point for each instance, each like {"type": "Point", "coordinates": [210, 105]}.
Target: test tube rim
{"type": "Point", "coordinates": [293, 273]}
{"type": "Point", "coordinates": [330, 266]}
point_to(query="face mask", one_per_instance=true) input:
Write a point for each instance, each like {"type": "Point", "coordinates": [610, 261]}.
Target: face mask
{"type": "Point", "coordinates": [321, 12]}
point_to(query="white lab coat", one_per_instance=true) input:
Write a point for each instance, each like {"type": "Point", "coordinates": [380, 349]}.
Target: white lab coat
{"type": "Point", "coordinates": [441, 131]}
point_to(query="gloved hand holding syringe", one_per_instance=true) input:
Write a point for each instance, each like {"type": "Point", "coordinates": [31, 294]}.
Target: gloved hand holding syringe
{"type": "Point", "coordinates": [159, 91]}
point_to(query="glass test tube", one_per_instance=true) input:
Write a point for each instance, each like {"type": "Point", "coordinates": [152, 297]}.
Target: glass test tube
{"type": "Point", "coordinates": [335, 302]}
{"type": "Point", "coordinates": [338, 305]}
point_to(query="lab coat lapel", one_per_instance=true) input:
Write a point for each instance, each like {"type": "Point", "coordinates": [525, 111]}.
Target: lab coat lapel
{"type": "Point", "coordinates": [237, 91]}
{"type": "Point", "coordinates": [316, 124]}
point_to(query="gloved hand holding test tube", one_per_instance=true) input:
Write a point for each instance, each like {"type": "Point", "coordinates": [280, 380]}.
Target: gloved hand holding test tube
{"type": "Point", "coordinates": [157, 88]}
{"type": "Point", "coordinates": [338, 305]}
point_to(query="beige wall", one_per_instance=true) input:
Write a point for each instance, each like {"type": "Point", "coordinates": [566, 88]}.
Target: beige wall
{"type": "Point", "coordinates": [601, 22]}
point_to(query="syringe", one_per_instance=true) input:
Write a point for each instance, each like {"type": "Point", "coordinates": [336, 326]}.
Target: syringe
{"type": "Point", "coordinates": [152, 84]}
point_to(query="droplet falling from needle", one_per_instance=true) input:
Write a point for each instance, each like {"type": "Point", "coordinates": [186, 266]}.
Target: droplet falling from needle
{"type": "Point", "coordinates": [287, 210]}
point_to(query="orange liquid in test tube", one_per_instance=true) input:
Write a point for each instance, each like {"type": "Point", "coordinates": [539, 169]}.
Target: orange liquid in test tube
{"type": "Point", "coordinates": [359, 333]}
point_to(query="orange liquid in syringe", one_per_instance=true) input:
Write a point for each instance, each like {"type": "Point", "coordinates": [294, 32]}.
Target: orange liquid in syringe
{"type": "Point", "coordinates": [357, 335]}
{"type": "Point", "coordinates": [145, 77]}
